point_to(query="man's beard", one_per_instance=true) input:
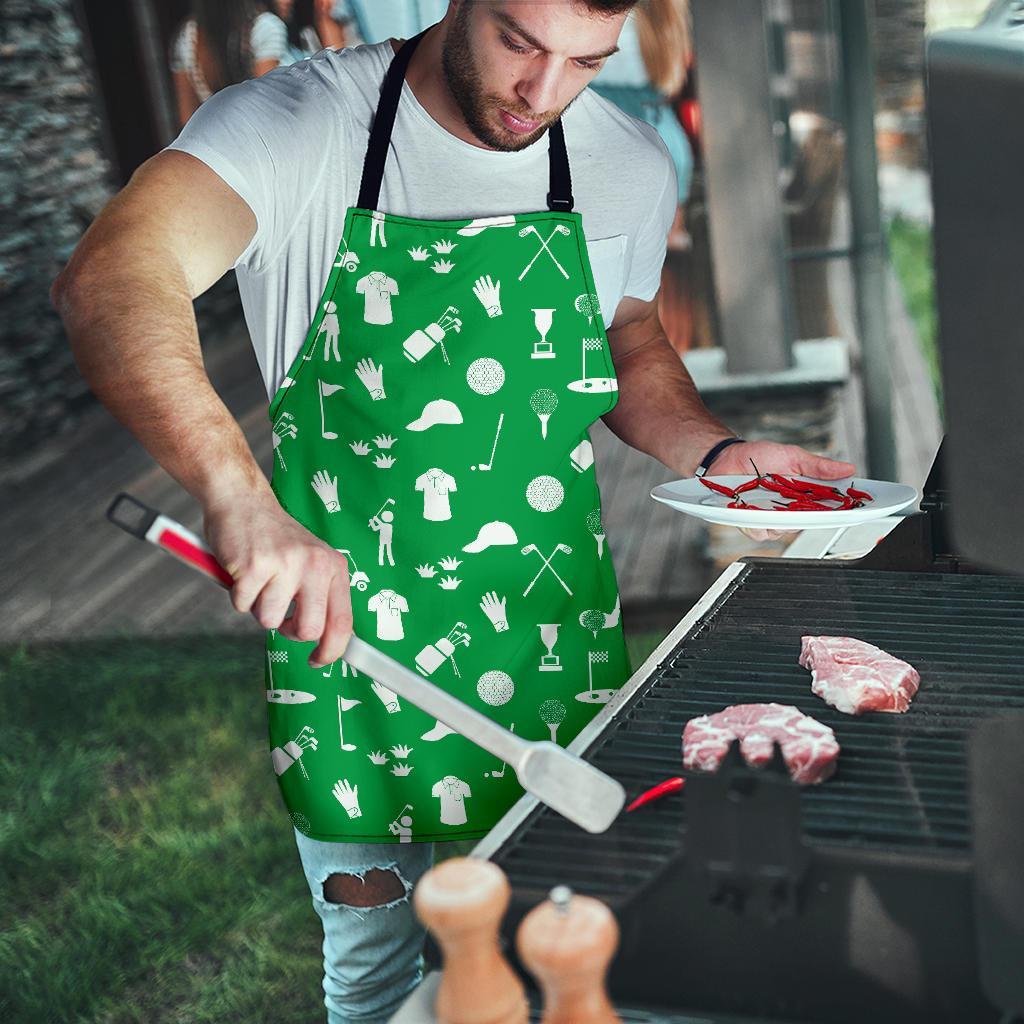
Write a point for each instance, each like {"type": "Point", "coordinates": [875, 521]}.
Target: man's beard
{"type": "Point", "coordinates": [465, 84]}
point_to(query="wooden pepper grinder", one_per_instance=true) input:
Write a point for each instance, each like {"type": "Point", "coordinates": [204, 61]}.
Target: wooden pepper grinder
{"type": "Point", "coordinates": [567, 943]}
{"type": "Point", "coordinates": [462, 902]}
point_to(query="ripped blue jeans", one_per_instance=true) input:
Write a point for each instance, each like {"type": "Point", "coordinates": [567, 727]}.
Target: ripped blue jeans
{"type": "Point", "coordinates": [373, 956]}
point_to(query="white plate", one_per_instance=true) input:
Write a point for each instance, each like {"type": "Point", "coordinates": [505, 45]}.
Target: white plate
{"type": "Point", "coordinates": [693, 498]}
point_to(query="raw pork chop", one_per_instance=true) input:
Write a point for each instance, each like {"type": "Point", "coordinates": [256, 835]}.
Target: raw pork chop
{"type": "Point", "coordinates": [808, 747]}
{"type": "Point", "coordinates": [855, 677]}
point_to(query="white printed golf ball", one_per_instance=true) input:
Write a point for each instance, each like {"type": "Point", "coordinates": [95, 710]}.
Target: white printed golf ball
{"type": "Point", "coordinates": [545, 493]}
{"type": "Point", "coordinates": [485, 376]}
{"type": "Point", "coordinates": [495, 688]}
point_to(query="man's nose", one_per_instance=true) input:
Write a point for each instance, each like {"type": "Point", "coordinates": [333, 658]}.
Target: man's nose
{"type": "Point", "coordinates": [539, 90]}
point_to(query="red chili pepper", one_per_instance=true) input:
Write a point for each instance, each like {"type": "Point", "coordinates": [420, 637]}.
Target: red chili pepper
{"type": "Point", "coordinates": [750, 485]}
{"type": "Point", "coordinates": [719, 488]}
{"type": "Point", "coordinates": [806, 505]}
{"type": "Point", "coordinates": [809, 487]}
{"type": "Point", "coordinates": [656, 792]}
{"type": "Point", "coordinates": [862, 495]}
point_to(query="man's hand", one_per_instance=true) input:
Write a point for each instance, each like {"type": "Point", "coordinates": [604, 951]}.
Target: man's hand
{"type": "Point", "coordinates": [274, 559]}
{"type": "Point", "coordinates": [771, 457]}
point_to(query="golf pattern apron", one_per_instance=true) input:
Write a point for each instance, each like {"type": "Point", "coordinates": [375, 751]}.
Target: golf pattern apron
{"type": "Point", "coordinates": [434, 428]}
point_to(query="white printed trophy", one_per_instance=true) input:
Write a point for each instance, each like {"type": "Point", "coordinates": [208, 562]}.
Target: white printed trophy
{"type": "Point", "coordinates": [549, 662]}
{"type": "Point", "coordinates": [543, 349]}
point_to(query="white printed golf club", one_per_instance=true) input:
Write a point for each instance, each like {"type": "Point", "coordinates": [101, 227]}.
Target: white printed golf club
{"type": "Point", "coordinates": [547, 565]}
{"type": "Point", "coordinates": [560, 229]}
{"type": "Point", "coordinates": [564, 782]}
{"type": "Point", "coordinates": [487, 465]}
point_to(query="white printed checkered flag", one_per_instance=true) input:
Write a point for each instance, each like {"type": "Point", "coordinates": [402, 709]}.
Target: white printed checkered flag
{"type": "Point", "coordinates": [589, 345]}
{"type": "Point", "coordinates": [281, 657]}
{"type": "Point", "coordinates": [595, 658]}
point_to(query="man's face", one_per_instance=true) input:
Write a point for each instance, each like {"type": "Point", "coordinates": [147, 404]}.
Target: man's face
{"type": "Point", "coordinates": [513, 66]}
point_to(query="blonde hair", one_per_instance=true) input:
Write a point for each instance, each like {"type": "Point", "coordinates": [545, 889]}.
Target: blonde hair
{"type": "Point", "coordinates": [663, 30]}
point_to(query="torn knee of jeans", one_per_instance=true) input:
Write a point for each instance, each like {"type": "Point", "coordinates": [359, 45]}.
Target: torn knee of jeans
{"type": "Point", "coordinates": [373, 888]}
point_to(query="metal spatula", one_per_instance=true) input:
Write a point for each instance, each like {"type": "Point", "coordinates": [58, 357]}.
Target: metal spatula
{"type": "Point", "coordinates": [562, 781]}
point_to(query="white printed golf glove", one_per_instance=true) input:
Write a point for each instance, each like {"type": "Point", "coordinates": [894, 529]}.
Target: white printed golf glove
{"type": "Point", "coordinates": [372, 377]}
{"type": "Point", "coordinates": [494, 609]}
{"type": "Point", "coordinates": [348, 796]}
{"type": "Point", "coordinates": [326, 488]}
{"type": "Point", "coordinates": [489, 295]}
{"type": "Point", "coordinates": [387, 697]}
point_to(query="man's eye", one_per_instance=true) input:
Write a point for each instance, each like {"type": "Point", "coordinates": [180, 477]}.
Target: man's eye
{"type": "Point", "coordinates": [588, 65]}
{"type": "Point", "coordinates": [512, 46]}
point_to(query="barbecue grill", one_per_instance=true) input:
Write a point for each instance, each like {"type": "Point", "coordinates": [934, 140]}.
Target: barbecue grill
{"type": "Point", "coordinates": [895, 890]}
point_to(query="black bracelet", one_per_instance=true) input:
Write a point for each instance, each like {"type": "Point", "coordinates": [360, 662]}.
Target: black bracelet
{"type": "Point", "coordinates": [705, 463]}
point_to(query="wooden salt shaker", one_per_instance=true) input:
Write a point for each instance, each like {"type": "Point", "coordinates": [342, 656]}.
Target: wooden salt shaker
{"type": "Point", "coordinates": [567, 943]}
{"type": "Point", "coordinates": [462, 902]}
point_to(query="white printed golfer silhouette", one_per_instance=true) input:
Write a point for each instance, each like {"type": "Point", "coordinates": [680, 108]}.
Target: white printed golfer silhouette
{"type": "Point", "coordinates": [329, 328]}
{"type": "Point", "coordinates": [559, 229]}
{"type": "Point", "coordinates": [565, 549]}
{"type": "Point", "coordinates": [377, 289]}
{"type": "Point", "coordinates": [377, 229]}
{"type": "Point", "coordinates": [389, 607]}
{"type": "Point", "coordinates": [348, 796]}
{"type": "Point", "coordinates": [452, 792]}
{"type": "Point", "coordinates": [291, 753]}
{"type": "Point", "coordinates": [372, 378]}
{"type": "Point", "coordinates": [325, 391]}
{"type": "Point", "coordinates": [436, 485]}
{"type": "Point", "coordinates": [494, 608]}
{"type": "Point", "coordinates": [382, 524]}
{"type": "Point", "coordinates": [402, 825]}
{"type": "Point", "coordinates": [489, 294]}
{"type": "Point", "coordinates": [326, 488]}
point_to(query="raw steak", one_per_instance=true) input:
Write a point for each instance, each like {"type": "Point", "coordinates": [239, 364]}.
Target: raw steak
{"type": "Point", "coordinates": [808, 747]}
{"type": "Point", "coordinates": [855, 677]}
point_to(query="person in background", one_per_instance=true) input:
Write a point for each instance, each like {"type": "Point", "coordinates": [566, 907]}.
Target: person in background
{"type": "Point", "coordinates": [312, 26]}
{"type": "Point", "coordinates": [223, 42]}
{"type": "Point", "coordinates": [649, 72]}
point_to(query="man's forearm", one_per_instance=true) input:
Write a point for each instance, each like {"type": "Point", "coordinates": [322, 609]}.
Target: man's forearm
{"type": "Point", "coordinates": [133, 334]}
{"type": "Point", "coordinates": [659, 409]}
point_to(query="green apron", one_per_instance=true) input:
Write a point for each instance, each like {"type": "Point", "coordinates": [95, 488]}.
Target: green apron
{"type": "Point", "coordinates": [434, 428]}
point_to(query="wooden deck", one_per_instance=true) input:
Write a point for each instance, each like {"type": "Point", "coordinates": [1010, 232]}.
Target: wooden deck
{"type": "Point", "coordinates": [70, 573]}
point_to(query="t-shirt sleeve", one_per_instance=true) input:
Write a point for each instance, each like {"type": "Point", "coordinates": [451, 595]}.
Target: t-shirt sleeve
{"type": "Point", "coordinates": [371, 605]}
{"type": "Point", "coordinates": [361, 286]}
{"type": "Point", "coordinates": [403, 605]}
{"type": "Point", "coordinates": [419, 482]}
{"type": "Point", "coordinates": [392, 286]}
{"type": "Point", "coordinates": [269, 37]}
{"type": "Point", "coordinates": [450, 483]}
{"type": "Point", "coordinates": [436, 789]}
{"type": "Point", "coordinates": [652, 237]}
{"type": "Point", "coordinates": [268, 138]}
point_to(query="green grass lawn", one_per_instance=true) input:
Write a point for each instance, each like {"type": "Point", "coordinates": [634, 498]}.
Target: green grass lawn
{"type": "Point", "coordinates": [149, 872]}
{"type": "Point", "coordinates": [910, 248]}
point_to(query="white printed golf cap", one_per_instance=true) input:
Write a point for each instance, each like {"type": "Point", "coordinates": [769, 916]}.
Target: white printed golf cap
{"type": "Point", "coordinates": [474, 227]}
{"type": "Point", "coordinates": [495, 532]}
{"type": "Point", "coordinates": [440, 410]}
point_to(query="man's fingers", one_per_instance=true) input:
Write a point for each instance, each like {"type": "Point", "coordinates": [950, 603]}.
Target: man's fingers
{"type": "Point", "coordinates": [817, 468]}
{"type": "Point", "coordinates": [270, 606]}
{"type": "Point", "coordinates": [338, 625]}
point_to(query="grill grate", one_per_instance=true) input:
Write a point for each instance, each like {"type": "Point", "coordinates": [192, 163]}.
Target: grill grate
{"type": "Point", "coordinates": [901, 784]}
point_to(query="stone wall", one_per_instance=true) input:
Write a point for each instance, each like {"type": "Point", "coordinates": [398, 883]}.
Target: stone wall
{"type": "Point", "coordinates": [53, 180]}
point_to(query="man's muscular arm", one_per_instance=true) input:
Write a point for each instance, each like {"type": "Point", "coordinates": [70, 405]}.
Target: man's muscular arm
{"type": "Point", "coordinates": [126, 301]}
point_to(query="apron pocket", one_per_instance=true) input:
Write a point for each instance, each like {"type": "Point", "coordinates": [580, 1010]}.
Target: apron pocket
{"type": "Point", "coordinates": [608, 265]}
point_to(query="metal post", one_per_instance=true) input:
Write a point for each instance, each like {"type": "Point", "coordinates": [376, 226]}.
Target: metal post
{"type": "Point", "coordinates": [857, 70]}
{"type": "Point", "coordinates": [742, 174]}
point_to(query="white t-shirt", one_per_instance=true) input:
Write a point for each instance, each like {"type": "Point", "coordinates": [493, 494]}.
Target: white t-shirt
{"type": "Point", "coordinates": [453, 793]}
{"type": "Point", "coordinates": [435, 485]}
{"type": "Point", "coordinates": [389, 607]}
{"type": "Point", "coordinates": [378, 288]}
{"type": "Point", "coordinates": [291, 143]}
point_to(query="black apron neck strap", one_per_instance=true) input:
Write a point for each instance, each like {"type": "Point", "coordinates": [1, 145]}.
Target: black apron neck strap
{"type": "Point", "coordinates": [559, 197]}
